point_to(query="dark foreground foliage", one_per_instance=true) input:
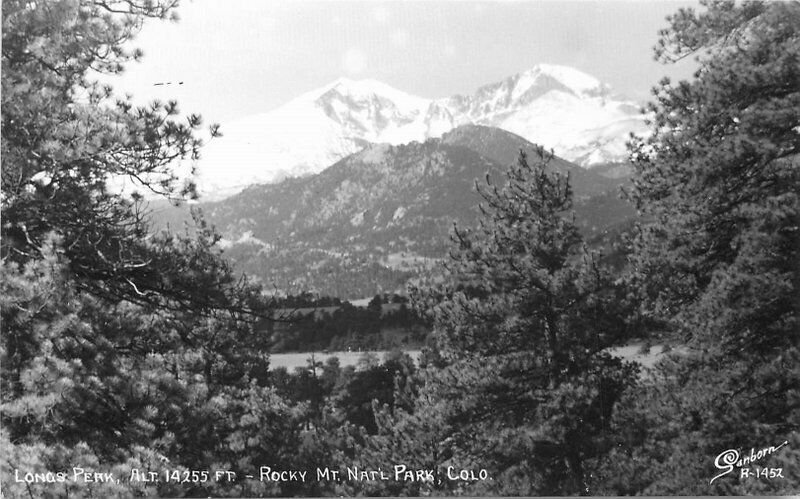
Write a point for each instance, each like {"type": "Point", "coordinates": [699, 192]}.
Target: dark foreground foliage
{"type": "Point", "coordinates": [719, 264]}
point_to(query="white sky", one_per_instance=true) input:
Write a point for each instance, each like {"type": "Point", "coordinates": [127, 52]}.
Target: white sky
{"type": "Point", "coordinates": [242, 57]}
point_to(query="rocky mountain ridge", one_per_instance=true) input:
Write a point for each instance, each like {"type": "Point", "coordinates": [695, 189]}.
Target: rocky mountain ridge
{"type": "Point", "coordinates": [380, 218]}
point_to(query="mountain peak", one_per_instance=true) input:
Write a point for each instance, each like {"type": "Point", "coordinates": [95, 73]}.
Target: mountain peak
{"type": "Point", "coordinates": [365, 85]}
{"type": "Point", "coordinates": [368, 89]}
{"type": "Point", "coordinates": [574, 79]}
{"type": "Point", "coordinates": [525, 87]}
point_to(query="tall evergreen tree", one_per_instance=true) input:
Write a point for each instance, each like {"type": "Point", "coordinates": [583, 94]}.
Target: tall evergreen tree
{"type": "Point", "coordinates": [717, 259]}
{"type": "Point", "coordinates": [523, 322]}
{"type": "Point", "coordinates": [117, 343]}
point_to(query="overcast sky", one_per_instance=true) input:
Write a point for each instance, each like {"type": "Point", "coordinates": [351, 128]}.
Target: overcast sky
{"type": "Point", "coordinates": [241, 57]}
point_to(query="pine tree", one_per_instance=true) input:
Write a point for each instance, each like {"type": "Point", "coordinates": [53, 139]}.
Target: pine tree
{"type": "Point", "coordinates": [65, 136]}
{"type": "Point", "coordinates": [117, 342]}
{"type": "Point", "coordinates": [523, 323]}
{"type": "Point", "coordinates": [717, 257]}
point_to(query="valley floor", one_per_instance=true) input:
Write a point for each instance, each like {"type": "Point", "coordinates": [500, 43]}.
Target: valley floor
{"type": "Point", "coordinates": [293, 360]}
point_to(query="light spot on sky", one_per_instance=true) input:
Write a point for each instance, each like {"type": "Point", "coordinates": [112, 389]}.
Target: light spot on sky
{"type": "Point", "coordinates": [449, 50]}
{"type": "Point", "coordinates": [354, 61]}
{"type": "Point", "coordinates": [400, 38]}
{"type": "Point", "coordinates": [380, 15]}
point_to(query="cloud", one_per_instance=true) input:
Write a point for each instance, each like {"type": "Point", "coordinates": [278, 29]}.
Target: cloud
{"type": "Point", "coordinates": [354, 61]}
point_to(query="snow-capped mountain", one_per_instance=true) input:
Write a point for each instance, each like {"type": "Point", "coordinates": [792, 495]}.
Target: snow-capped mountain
{"type": "Point", "coordinates": [556, 106]}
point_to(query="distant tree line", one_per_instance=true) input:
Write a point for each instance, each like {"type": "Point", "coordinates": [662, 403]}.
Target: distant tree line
{"type": "Point", "coordinates": [328, 324]}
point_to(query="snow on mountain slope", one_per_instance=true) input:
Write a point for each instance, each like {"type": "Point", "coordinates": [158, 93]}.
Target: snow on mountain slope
{"type": "Point", "coordinates": [556, 106]}
{"type": "Point", "coordinates": [308, 134]}
{"type": "Point", "coordinates": [576, 128]}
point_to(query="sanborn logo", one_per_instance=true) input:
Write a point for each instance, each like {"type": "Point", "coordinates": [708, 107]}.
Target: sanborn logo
{"type": "Point", "coordinates": [730, 458]}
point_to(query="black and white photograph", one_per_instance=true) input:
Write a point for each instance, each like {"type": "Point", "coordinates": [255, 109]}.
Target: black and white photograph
{"type": "Point", "coordinates": [384, 248]}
